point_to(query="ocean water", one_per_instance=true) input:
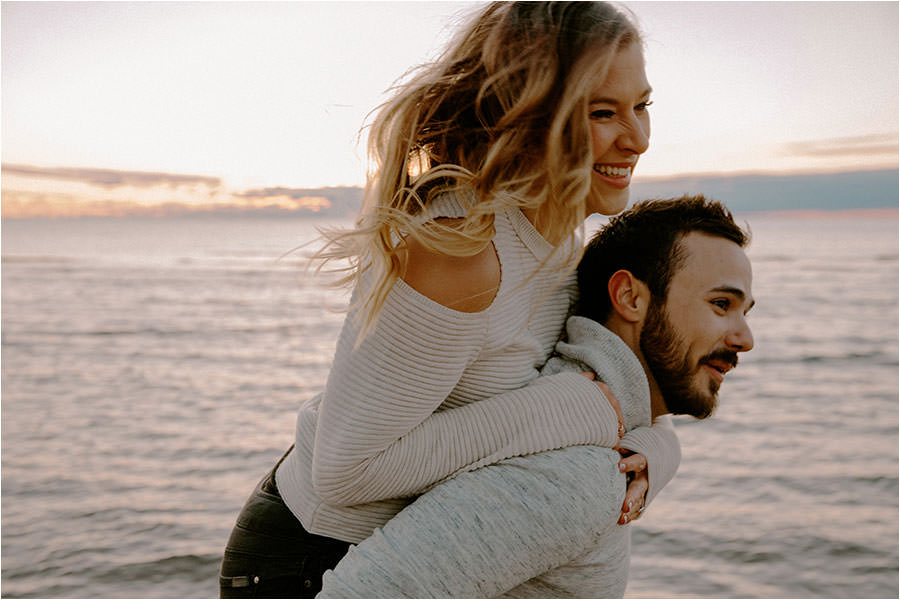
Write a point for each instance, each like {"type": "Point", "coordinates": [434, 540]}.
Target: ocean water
{"type": "Point", "coordinates": [151, 370]}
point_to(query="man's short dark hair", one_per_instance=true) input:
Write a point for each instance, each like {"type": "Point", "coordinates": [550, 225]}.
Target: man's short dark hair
{"type": "Point", "coordinates": [645, 241]}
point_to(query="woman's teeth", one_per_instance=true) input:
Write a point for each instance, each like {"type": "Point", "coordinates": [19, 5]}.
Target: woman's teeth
{"type": "Point", "coordinates": [612, 171]}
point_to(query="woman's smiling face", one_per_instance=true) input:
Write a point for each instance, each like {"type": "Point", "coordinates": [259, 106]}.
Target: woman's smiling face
{"type": "Point", "coordinates": [620, 130]}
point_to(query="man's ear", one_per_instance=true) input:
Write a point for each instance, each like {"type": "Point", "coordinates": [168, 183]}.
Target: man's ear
{"type": "Point", "coordinates": [629, 295]}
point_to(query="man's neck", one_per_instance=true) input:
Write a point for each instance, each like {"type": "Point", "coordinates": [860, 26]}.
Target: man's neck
{"type": "Point", "coordinates": [631, 335]}
{"type": "Point", "coordinates": [657, 404]}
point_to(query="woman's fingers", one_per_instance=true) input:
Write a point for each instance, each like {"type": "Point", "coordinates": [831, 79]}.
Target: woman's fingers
{"type": "Point", "coordinates": [635, 467]}
{"type": "Point", "coordinates": [633, 505]}
{"type": "Point", "coordinates": [632, 463]}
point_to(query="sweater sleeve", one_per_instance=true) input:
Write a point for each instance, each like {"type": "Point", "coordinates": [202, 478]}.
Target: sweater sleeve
{"type": "Point", "coordinates": [378, 435]}
{"type": "Point", "coordinates": [660, 445]}
{"type": "Point", "coordinates": [485, 532]}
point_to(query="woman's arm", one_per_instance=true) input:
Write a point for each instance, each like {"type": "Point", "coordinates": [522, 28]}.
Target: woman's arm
{"type": "Point", "coordinates": [378, 435]}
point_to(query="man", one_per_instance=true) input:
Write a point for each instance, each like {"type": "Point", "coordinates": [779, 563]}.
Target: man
{"type": "Point", "coordinates": [670, 283]}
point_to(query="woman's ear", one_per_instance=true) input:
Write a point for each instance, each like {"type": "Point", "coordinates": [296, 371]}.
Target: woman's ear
{"type": "Point", "coordinates": [629, 295]}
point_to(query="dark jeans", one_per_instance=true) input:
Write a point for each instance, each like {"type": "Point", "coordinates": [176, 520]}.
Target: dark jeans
{"type": "Point", "coordinates": [271, 555]}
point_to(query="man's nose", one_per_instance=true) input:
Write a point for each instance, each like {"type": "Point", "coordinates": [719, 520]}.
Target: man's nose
{"type": "Point", "coordinates": [741, 338]}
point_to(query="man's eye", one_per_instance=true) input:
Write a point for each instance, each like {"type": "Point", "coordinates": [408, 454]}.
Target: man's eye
{"type": "Point", "coordinates": [723, 304]}
{"type": "Point", "coordinates": [601, 114]}
{"type": "Point", "coordinates": [643, 106]}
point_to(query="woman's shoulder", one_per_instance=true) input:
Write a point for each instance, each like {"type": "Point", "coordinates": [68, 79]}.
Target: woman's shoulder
{"type": "Point", "coordinates": [462, 283]}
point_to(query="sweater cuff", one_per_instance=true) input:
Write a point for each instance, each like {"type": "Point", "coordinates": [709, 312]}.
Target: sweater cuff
{"type": "Point", "coordinates": [660, 445]}
{"type": "Point", "coordinates": [605, 423]}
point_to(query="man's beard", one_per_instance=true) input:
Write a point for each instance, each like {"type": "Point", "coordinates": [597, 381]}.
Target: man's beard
{"type": "Point", "coordinates": [670, 364]}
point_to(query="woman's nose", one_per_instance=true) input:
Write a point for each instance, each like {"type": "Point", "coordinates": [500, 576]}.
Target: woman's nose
{"type": "Point", "coordinates": [636, 136]}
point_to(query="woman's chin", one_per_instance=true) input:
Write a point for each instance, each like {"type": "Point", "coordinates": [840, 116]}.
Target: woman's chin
{"type": "Point", "coordinates": [605, 200]}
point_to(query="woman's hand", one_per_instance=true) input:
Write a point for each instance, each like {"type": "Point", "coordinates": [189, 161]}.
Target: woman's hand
{"type": "Point", "coordinates": [612, 402]}
{"type": "Point", "coordinates": [633, 465]}
{"type": "Point", "coordinates": [635, 468]}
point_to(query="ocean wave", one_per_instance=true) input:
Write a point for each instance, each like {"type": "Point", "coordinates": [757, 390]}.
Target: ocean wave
{"type": "Point", "coordinates": [773, 258]}
{"type": "Point", "coordinates": [873, 358]}
{"type": "Point", "coordinates": [36, 259]}
{"type": "Point", "coordinates": [221, 330]}
{"type": "Point", "coordinates": [815, 545]}
{"type": "Point", "coordinates": [829, 485]}
{"type": "Point", "coordinates": [174, 576]}
{"type": "Point", "coordinates": [148, 331]}
{"type": "Point", "coordinates": [876, 358]}
{"type": "Point", "coordinates": [192, 567]}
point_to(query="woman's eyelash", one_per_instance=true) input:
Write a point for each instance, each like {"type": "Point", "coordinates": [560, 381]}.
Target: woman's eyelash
{"type": "Point", "coordinates": [606, 113]}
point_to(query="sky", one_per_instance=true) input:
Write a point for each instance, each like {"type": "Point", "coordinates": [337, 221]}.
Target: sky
{"type": "Point", "coordinates": [215, 96]}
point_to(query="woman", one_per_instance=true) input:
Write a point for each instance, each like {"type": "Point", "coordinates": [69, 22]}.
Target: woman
{"type": "Point", "coordinates": [487, 162]}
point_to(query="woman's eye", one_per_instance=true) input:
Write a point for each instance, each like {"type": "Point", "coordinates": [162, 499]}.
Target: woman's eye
{"type": "Point", "coordinates": [643, 106]}
{"type": "Point", "coordinates": [602, 114]}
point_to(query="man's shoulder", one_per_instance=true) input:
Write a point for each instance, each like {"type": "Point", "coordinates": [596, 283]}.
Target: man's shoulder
{"type": "Point", "coordinates": [584, 467]}
{"type": "Point", "coordinates": [572, 483]}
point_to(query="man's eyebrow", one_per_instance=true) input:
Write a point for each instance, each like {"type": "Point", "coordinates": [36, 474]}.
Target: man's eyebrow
{"type": "Point", "coordinates": [737, 292]}
{"type": "Point", "coordinates": [644, 94]}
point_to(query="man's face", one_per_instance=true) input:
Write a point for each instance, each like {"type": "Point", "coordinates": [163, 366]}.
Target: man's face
{"type": "Point", "coordinates": [692, 339]}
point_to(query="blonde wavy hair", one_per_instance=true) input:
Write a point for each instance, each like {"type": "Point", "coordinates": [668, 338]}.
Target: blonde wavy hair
{"type": "Point", "coordinates": [501, 119]}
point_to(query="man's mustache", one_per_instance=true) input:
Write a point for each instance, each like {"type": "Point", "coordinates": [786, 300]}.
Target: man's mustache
{"type": "Point", "coordinates": [725, 355]}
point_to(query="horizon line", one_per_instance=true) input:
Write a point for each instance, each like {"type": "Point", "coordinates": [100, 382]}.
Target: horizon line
{"type": "Point", "coordinates": [276, 213]}
{"type": "Point", "coordinates": [39, 192]}
{"type": "Point", "coordinates": [139, 177]}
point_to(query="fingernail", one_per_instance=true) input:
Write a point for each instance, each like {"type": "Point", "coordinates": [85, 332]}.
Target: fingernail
{"type": "Point", "coordinates": [621, 466]}
{"type": "Point", "coordinates": [630, 505]}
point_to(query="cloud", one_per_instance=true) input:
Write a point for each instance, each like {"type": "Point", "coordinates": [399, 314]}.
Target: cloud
{"type": "Point", "coordinates": [331, 201]}
{"type": "Point", "coordinates": [859, 146]}
{"type": "Point", "coordinates": [285, 201]}
{"type": "Point", "coordinates": [295, 192]}
{"type": "Point", "coordinates": [26, 204]}
{"type": "Point", "coordinates": [30, 192]}
{"type": "Point", "coordinates": [111, 178]}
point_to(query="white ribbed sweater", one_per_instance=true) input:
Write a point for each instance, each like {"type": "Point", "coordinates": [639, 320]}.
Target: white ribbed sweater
{"type": "Point", "coordinates": [422, 398]}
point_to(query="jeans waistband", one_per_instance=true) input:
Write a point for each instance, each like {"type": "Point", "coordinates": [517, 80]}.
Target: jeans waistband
{"type": "Point", "coordinates": [268, 485]}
